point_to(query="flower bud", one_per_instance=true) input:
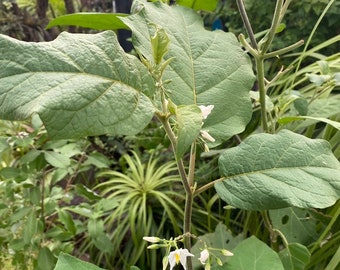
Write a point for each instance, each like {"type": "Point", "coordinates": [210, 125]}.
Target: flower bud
{"type": "Point", "coordinates": [151, 239]}
{"type": "Point", "coordinates": [227, 252]}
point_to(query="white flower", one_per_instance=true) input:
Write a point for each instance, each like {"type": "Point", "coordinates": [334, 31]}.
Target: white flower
{"type": "Point", "coordinates": [179, 256]}
{"type": "Point", "coordinates": [204, 256]}
{"type": "Point", "coordinates": [206, 110]}
{"type": "Point", "coordinates": [151, 239]}
{"type": "Point", "coordinates": [207, 136]}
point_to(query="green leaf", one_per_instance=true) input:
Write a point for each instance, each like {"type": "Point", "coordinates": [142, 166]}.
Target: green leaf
{"type": "Point", "coordinates": [295, 257]}
{"type": "Point", "coordinates": [35, 195]}
{"type": "Point", "coordinates": [98, 21]}
{"type": "Point", "coordinates": [86, 192]}
{"type": "Point", "coordinates": [321, 108]}
{"type": "Point", "coordinates": [301, 105]}
{"type": "Point", "coordinates": [67, 220]}
{"type": "Point", "coordinates": [289, 119]}
{"type": "Point", "coordinates": [276, 171]}
{"type": "Point", "coordinates": [318, 80]}
{"type": "Point", "coordinates": [98, 237]}
{"type": "Point", "coordinates": [220, 239]}
{"type": "Point", "coordinates": [57, 160]}
{"type": "Point", "coordinates": [95, 227]}
{"type": "Point", "coordinates": [67, 262]}
{"type": "Point", "coordinates": [254, 254]}
{"type": "Point", "coordinates": [189, 123]}
{"type": "Point", "coordinates": [160, 44]}
{"type": "Point", "coordinates": [209, 5]}
{"type": "Point", "coordinates": [19, 214]}
{"type": "Point", "coordinates": [79, 84]}
{"type": "Point", "coordinates": [30, 227]}
{"type": "Point", "coordinates": [46, 260]}
{"type": "Point", "coordinates": [103, 243]}
{"type": "Point", "coordinates": [280, 28]}
{"type": "Point", "coordinates": [298, 225]}
{"type": "Point", "coordinates": [97, 159]}
{"type": "Point", "coordinates": [207, 68]}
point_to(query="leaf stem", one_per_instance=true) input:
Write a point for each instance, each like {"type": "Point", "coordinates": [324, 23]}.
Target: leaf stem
{"type": "Point", "coordinates": [268, 38]}
{"type": "Point", "coordinates": [207, 186]}
{"type": "Point", "coordinates": [191, 173]}
{"type": "Point", "coordinates": [284, 50]}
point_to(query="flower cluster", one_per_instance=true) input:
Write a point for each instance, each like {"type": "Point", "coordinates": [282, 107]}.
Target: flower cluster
{"type": "Point", "coordinates": [180, 255]}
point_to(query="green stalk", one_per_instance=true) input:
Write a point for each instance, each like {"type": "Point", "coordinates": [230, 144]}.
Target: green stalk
{"type": "Point", "coordinates": [246, 23]}
{"type": "Point", "coordinates": [268, 39]}
{"type": "Point", "coordinates": [187, 181]}
{"type": "Point", "coordinates": [262, 90]}
{"type": "Point", "coordinates": [187, 225]}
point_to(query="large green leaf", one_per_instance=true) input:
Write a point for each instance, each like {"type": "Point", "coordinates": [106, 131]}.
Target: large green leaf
{"type": "Point", "coordinates": [79, 84]}
{"type": "Point", "coordinates": [298, 225]}
{"type": "Point", "coordinates": [276, 171]}
{"type": "Point", "coordinates": [99, 21]}
{"type": "Point", "coordinates": [208, 68]}
{"type": "Point", "coordinates": [67, 262]}
{"type": "Point", "coordinates": [254, 254]}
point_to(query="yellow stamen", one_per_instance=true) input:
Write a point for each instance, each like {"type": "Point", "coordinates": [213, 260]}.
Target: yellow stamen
{"type": "Point", "coordinates": [177, 257]}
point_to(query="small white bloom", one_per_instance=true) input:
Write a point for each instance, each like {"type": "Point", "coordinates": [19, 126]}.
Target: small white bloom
{"type": "Point", "coordinates": [204, 256]}
{"type": "Point", "coordinates": [151, 239]}
{"type": "Point", "coordinates": [179, 256]}
{"type": "Point", "coordinates": [207, 136]}
{"type": "Point", "coordinates": [206, 110]}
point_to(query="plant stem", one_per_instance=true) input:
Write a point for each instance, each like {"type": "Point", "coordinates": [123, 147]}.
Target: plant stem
{"type": "Point", "coordinates": [187, 225]}
{"type": "Point", "coordinates": [246, 23]}
{"type": "Point", "coordinates": [262, 90]}
{"type": "Point", "coordinates": [172, 137]}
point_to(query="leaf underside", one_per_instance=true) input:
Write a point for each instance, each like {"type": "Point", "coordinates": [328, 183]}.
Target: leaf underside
{"type": "Point", "coordinates": [276, 171]}
{"type": "Point", "coordinates": [208, 68]}
{"type": "Point", "coordinates": [79, 85]}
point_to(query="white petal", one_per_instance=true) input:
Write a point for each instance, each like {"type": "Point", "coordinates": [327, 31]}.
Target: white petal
{"type": "Point", "coordinates": [183, 254]}
{"type": "Point", "coordinates": [206, 110]}
{"type": "Point", "coordinates": [204, 256]}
